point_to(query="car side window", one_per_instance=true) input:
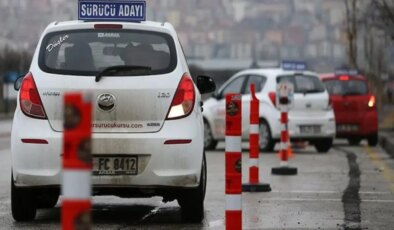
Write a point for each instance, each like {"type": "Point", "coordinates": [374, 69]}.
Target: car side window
{"type": "Point", "coordinates": [234, 87]}
{"type": "Point", "coordinates": [258, 81]}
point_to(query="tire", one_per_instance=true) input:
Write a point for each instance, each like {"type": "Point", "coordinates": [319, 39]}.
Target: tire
{"type": "Point", "coordinates": [324, 145]}
{"type": "Point", "coordinates": [209, 142]}
{"type": "Point", "coordinates": [267, 144]}
{"type": "Point", "coordinates": [354, 141]}
{"type": "Point", "coordinates": [47, 199]}
{"type": "Point", "coordinates": [22, 203]}
{"type": "Point", "coordinates": [373, 140]}
{"type": "Point", "coordinates": [192, 201]}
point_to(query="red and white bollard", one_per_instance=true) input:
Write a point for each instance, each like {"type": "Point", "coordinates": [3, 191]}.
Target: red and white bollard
{"type": "Point", "coordinates": [77, 163]}
{"type": "Point", "coordinates": [284, 153]}
{"type": "Point", "coordinates": [233, 157]}
{"type": "Point", "coordinates": [254, 184]}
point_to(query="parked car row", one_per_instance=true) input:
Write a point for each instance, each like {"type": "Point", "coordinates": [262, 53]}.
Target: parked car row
{"type": "Point", "coordinates": [325, 106]}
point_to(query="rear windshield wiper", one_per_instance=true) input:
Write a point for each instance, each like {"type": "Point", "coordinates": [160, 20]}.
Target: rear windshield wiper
{"type": "Point", "coordinates": [112, 70]}
{"type": "Point", "coordinates": [311, 91]}
{"type": "Point", "coordinates": [352, 94]}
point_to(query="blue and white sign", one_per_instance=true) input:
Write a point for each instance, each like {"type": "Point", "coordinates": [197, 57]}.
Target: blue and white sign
{"type": "Point", "coordinates": [115, 10]}
{"type": "Point", "coordinates": [294, 65]}
{"type": "Point", "coordinates": [349, 72]}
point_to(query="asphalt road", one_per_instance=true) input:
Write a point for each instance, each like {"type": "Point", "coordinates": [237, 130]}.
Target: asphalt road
{"type": "Point", "coordinates": [348, 188]}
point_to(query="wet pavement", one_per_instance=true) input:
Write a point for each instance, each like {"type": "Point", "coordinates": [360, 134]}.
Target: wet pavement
{"type": "Point", "coordinates": [347, 188]}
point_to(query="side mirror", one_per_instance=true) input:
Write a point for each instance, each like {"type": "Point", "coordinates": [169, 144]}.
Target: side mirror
{"type": "Point", "coordinates": [205, 84]}
{"type": "Point", "coordinates": [18, 82]}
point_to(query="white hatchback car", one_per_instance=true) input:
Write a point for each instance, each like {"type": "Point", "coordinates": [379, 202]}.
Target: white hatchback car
{"type": "Point", "coordinates": [311, 119]}
{"type": "Point", "coordinates": [146, 106]}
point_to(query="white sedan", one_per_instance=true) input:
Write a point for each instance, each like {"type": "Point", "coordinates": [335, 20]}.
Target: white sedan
{"type": "Point", "coordinates": [311, 119]}
{"type": "Point", "coordinates": [146, 110]}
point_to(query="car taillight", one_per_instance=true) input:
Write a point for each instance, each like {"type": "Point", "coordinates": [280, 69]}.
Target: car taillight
{"type": "Point", "coordinates": [30, 101]}
{"type": "Point", "coordinates": [272, 96]}
{"type": "Point", "coordinates": [183, 101]}
{"type": "Point", "coordinates": [344, 78]}
{"type": "Point", "coordinates": [372, 102]}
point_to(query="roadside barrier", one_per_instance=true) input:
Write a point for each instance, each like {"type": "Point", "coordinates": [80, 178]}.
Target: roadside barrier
{"type": "Point", "coordinates": [77, 163]}
{"type": "Point", "coordinates": [254, 184]}
{"type": "Point", "coordinates": [233, 187]}
{"type": "Point", "coordinates": [284, 168]}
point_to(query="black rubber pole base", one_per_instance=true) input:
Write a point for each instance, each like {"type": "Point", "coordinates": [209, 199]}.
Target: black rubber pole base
{"type": "Point", "coordinates": [284, 171]}
{"type": "Point", "coordinates": [260, 187]}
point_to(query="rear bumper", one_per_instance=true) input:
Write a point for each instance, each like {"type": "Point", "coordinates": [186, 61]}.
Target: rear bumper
{"type": "Point", "coordinates": [368, 125]}
{"type": "Point", "coordinates": [161, 164]}
{"type": "Point", "coordinates": [326, 122]}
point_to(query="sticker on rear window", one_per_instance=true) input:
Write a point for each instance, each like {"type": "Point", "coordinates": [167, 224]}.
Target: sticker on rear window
{"type": "Point", "coordinates": [108, 35]}
{"type": "Point", "coordinates": [57, 43]}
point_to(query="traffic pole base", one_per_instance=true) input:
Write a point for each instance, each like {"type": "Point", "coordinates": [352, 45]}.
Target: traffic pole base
{"type": "Point", "coordinates": [259, 187]}
{"type": "Point", "coordinates": [284, 170]}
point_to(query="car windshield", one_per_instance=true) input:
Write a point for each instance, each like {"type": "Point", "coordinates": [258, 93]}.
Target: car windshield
{"type": "Point", "coordinates": [350, 87]}
{"type": "Point", "coordinates": [88, 52]}
{"type": "Point", "coordinates": [303, 83]}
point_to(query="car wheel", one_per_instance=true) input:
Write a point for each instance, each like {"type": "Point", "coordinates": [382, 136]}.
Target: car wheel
{"type": "Point", "coordinates": [192, 201]}
{"type": "Point", "coordinates": [22, 203]}
{"type": "Point", "coordinates": [354, 141]}
{"type": "Point", "coordinates": [373, 139]}
{"type": "Point", "coordinates": [47, 199]}
{"type": "Point", "coordinates": [324, 145]}
{"type": "Point", "coordinates": [209, 142]}
{"type": "Point", "coordinates": [267, 144]}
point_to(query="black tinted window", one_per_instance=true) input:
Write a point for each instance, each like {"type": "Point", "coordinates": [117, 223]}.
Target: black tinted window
{"type": "Point", "coordinates": [350, 87]}
{"type": "Point", "coordinates": [304, 83]}
{"type": "Point", "coordinates": [87, 52]}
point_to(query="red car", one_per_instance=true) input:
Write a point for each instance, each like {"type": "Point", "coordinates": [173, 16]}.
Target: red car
{"type": "Point", "coordinates": [354, 107]}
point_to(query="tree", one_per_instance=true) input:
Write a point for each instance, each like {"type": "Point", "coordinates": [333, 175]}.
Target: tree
{"type": "Point", "coordinates": [351, 29]}
{"type": "Point", "coordinates": [382, 12]}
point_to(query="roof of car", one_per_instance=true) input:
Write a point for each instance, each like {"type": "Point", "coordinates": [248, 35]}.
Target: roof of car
{"type": "Point", "coordinates": [274, 72]}
{"type": "Point", "coordinates": [330, 76]}
{"type": "Point", "coordinates": [78, 24]}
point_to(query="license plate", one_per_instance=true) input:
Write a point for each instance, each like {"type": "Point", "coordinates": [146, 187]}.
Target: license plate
{"type": "Point", "coordinates": [310, 129]}
{"type": "Point", "coordinates": [347, 128]}
{"type": "Point", "coordinates": [113, 166]}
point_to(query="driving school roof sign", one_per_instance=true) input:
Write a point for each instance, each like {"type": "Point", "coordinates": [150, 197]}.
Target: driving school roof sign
{"type": "Point", "coordinates": [294, 65]}
{"type": "Point", "coordinates": [115, 10]}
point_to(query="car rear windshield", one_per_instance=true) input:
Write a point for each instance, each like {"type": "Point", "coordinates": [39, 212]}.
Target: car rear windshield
{"type": "Point", "coordinates": [350, 87]}
{"type": "Point", "coordinates": [88, 52]}
{"type": "Point", "coordinates": [303, 83]}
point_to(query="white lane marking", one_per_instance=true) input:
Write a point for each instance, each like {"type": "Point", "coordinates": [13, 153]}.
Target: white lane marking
{"type": "Point", "coordinates": [151, 213]}
{"type": "Point", "coordinates": [328, 200]}
{"type": "Point", "coordinates": [329, 192]}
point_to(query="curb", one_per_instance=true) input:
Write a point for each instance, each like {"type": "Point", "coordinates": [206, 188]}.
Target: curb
{"type": "Point", "coordinates": [387, 142]}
